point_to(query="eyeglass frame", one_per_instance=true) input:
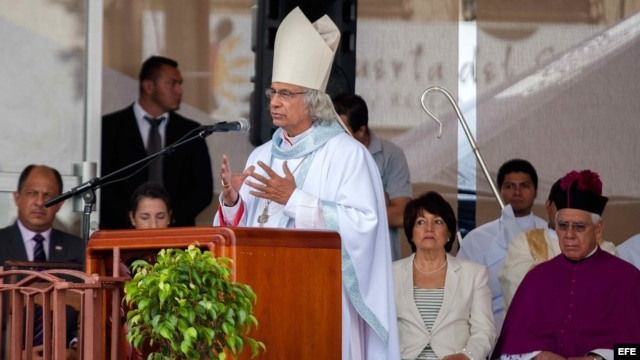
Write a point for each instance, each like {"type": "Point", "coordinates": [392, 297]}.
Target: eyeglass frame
{"type": "Point", "coordinates": [284, 94]}
{"type": "Point", "coordinates": [577, 227]}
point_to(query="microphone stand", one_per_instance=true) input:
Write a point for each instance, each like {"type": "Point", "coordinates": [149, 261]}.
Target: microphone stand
{"type": "Point", "coordinates": [87, 189]}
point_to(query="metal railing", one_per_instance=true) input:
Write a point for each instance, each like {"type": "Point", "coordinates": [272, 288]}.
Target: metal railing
{"type": "Point", "coordinates": [25, 285]}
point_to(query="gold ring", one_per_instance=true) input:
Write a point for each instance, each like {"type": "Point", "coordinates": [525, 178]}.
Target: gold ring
{"type": "Point", "coordinates": [223, 184]}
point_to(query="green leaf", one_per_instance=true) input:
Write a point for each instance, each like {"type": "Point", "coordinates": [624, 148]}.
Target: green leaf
{"type": "Point", "coordinates": [143, 303]}
{"type": "Point", "coordinates": [165, 332]}
{"type": "Point", "coordinates": [242, 316]}
{"type": "Point", "coordinates": [185, 346]}
{"type": "Point", "coordinates": [192, 332]}
{"type": "Point", "coordinates": [209, 333]}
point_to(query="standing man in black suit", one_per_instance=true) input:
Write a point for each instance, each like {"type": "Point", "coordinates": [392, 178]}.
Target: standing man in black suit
{"type": "Point", "coordinates": [128, 135]}
{"type": "Point", "coordinates": [38, 184]}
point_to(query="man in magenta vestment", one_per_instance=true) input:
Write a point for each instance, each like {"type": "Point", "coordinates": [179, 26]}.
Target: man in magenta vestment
{"type": "Point", "coordinates": [582, 302]}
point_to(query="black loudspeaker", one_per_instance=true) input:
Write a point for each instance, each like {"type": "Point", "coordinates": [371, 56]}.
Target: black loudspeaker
{"type": "Point", "coordinates": [267, 15]}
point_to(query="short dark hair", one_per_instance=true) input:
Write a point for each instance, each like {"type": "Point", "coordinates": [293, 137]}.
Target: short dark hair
{"type": "Point", "coordinates": [435, 204]}
{"type": "Point", "coordinates": [556, 194]}
{"type": "Point", "coordinates": [27, 170]}
{"type": "Point", "coordinates": [517, 165]}
{"type": "Point", "coordinates": [151, 190]}
{"type": "Point", "coordinates": [151, 68]}
{"type": "Point", "coordinates": [354, 108]}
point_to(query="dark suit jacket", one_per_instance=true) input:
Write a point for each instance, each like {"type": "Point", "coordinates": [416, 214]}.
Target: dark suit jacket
{"type": "Point", "coordinates": [187, 171]}
{"type": "Point", "coordinates": [63, 247]}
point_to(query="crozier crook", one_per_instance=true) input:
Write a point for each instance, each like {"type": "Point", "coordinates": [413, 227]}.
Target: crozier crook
{"type": "Point", "coordinates": [472, 141]}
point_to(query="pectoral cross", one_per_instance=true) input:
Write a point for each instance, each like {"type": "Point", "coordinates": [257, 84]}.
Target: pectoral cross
{"type": "Point", "coordinates": [264, 217]}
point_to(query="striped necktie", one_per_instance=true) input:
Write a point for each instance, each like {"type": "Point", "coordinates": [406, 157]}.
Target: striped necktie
{"type": "Point", "coordinates": [38, 249]}
{"type": "Point", "coordinates": [40, 256]}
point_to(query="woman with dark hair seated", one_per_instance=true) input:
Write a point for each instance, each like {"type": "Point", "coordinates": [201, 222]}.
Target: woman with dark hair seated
{"type": "Point", "coordinates": [150, 207]}
{"type": "Point", "coordinates": [443, 303]}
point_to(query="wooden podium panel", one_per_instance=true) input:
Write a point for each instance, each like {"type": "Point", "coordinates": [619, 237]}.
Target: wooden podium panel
{"type": "Point", "coordinates": [296, 275]}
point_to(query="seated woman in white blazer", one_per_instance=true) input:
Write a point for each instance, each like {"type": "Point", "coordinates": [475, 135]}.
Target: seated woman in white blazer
{"type": "Point", "coordinates": [443, 303]}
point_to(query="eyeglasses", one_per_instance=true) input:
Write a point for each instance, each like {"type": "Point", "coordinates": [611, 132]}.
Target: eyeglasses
{"type": "Point", "coordinates": [285, 94]}
{"type": "Point", "coordinates": [576, 227]}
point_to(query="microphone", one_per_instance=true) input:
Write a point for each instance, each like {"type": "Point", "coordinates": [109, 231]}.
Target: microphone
{"type": "Point", "coordinates": [241, 125]}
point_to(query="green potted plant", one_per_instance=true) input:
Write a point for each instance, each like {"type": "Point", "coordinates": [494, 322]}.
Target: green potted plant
{"type": "Point", "coordinates": [186, 307]}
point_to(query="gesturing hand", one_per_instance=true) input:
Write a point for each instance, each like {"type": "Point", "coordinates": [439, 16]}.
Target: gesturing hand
{"type": "Point", "coordinates": [231, 182]}
{"type": "Point", "coordinates": [273, 187]}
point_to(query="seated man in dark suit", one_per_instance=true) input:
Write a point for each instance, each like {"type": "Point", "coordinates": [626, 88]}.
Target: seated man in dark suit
{"type": "Point", "coordinates": [32, 234]}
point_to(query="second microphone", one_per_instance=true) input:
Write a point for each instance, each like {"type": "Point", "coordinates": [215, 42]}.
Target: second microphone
{"type": "Point", "coordinates": [241, 125]}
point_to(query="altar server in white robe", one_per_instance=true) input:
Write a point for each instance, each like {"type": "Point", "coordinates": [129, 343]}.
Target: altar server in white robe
{"type": "Point", "coordinates": [314, 175]}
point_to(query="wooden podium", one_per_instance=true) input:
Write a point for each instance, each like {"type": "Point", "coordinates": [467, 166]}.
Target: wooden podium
{"type": "Point", "coordinates": [296, 275]}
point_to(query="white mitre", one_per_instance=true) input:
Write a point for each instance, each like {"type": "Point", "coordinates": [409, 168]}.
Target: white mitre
{"type": "Point", "coordinates": [304, 52]}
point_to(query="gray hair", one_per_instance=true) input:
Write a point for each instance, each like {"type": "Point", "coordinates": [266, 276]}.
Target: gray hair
{"type": "Point", "coordinates": [319, 106]}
